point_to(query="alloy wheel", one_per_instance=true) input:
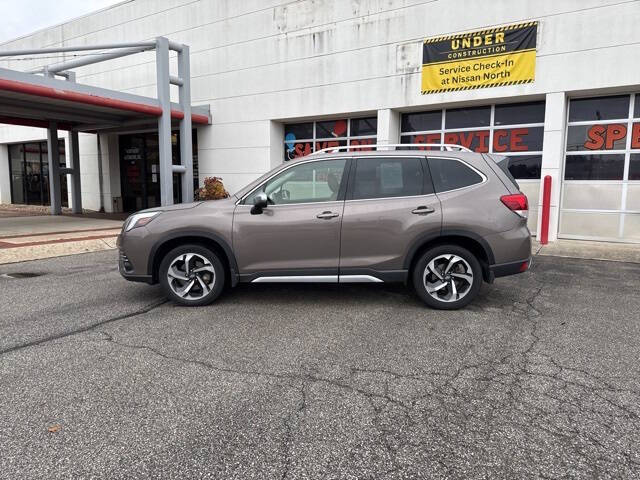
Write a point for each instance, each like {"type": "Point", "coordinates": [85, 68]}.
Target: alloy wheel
{"type": "Point", "coordinates": [448, 278]}
{"type": "Point", "coordinates": [191, 276]}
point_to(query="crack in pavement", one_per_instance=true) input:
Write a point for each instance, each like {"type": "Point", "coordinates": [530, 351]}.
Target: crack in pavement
{"type": "Point", "coordinates": [84, 329]}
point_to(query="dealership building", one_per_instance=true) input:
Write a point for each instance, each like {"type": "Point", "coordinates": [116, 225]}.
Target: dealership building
{"type": "Point", "coordinates": [283, 78]}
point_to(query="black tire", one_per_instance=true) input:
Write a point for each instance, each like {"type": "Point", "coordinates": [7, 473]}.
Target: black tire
{"type": "Point", "coordinates": [445, 298]}
{"type": "Point", "coordinates": [197, 295]}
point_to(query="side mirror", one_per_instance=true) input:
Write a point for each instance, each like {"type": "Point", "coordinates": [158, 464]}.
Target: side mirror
{"type": "Point", "coordinates": [259, 203]}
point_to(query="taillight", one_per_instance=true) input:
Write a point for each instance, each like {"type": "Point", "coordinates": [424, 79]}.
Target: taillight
{"type": "Point", "coordinates": [517, 203]}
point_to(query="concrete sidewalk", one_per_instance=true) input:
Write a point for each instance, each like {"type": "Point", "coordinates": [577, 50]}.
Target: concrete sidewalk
{"type": "Point", "coordinates": [617, 252]}
{"type": "Point", "coordinates": [36, 237]}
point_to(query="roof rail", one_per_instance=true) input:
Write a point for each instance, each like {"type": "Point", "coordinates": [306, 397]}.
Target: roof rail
{"type": "Point", "coordinates": [448, 147]}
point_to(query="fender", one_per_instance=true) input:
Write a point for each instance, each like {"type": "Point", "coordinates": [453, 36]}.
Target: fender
{"type": "Point", "coordinates": [420, 241]}
{"type": "Point", "coordinates": [233, 263]}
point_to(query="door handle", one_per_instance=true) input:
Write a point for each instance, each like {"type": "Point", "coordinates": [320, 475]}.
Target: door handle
{"type": "Point", "coordinates": [327, 215]}
{"type": "Point", "coordinates": [422, 210]}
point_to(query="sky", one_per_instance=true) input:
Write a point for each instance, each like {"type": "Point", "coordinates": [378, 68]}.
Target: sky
{"type": "Point", "coordinates": [21, 17]}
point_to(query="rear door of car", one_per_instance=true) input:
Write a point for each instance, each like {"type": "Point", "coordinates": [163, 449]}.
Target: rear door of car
{"type": "Point", "coordinates": [390, 203]}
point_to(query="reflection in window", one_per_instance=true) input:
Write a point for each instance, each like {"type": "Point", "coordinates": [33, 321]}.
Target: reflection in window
{"type": "Point", "coordinates": [299, 140]}
{"type": "Point", "coordinates": [364, 126]}
{"type": "Point", "coordinates": [468, 117]}
{"type": "Point", "coordinates": [599, 108]}
{"type": "Point", "coordinates": [523, 139]}
{"type": "Point", "coordinates": [597, 137]}
{"type": "Point", "coordinates": [519, 113]}
{"type": "Point", "coordinates": [299, 130]}
{"type": "Point", "coordinates": [634, 166]}
{"type": "Point", "coordinates": [388, 177]}
{"type": "Point", "coordinates": [29, 165]}
{"type": "Point", "coordinates": [451, 174]}
{"type": "Point", "coordinates": [594, 167]}
{"type": "Point", "coordinates": [433, 138]}
{"type": "Point", "coordinates": [525, 167]}
{"type": "Point", "coordinates": [421, 121]}
{"type": "Point", "coordinates": [309, 182]}
{"type": "Point", "coordinates": [462, 128]}
{"type": "Point", "coordinates": [476, 140]}
{"type": "Point", "coordinates": [331, 129]}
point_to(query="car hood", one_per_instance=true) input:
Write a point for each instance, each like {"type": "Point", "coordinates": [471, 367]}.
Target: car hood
{"type": "Point", "coordinates": [169, 208]}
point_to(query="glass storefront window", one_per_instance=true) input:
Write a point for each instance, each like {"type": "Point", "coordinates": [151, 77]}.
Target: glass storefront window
{"type": "Point", "coordinates": [599, 108]}
{"type": "Point", "coordinates": [519, 113]}
{"type": "Point", "coordinates": [525, 167]}
{"type": "Point", "coordinates": [476, 140]}
{"type": "Point", "coordinates": [17, 173]}
{"type": "Point", "coordinates": [517, 129]}
{"type": "Point", "coordinates": [421, 121]}
{"type": "Point", "coordinates": [364, 126]}
{"type": "Point", "coordinates": [301, 139]}
{"type": "Point", "coordinates": [468, 117]}
{"type": "Point", "coordinates": [634, 166]}
{"type": "Point", "coordinates": [299, 130]}
{"type": "Point", "coordinates": [612, 136]}
{"type": "Point", "coordinates": [29, 167]}
{"type": "Point", "coordinates": [594, 167]}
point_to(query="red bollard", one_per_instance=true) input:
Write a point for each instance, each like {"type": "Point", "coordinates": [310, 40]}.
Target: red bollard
{"type": "Point", "coordinates": [546, 206]}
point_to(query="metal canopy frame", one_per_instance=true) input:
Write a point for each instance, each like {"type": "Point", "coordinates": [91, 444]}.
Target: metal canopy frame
{"type": "Point", "coordinates": [37, 98]}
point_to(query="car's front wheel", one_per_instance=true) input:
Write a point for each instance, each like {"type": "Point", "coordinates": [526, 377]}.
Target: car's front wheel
{"type": "Point", "coordinates": [192, 275]}
{"type": "Point", "coordinates": [447, 277]}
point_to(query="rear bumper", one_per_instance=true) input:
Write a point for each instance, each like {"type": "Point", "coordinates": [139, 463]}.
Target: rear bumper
{"type": "Point", "coordinates": [511, 268]}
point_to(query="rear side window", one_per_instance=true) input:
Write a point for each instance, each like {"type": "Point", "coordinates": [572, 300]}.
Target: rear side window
{"type": "Point", "coordinates": [451, 174]}
{"type": "Point", "coordinates": [389, 177]}
{"type": "Point", "coordinates": [504, 165]}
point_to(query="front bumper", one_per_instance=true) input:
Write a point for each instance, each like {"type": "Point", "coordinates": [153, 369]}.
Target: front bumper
{"type": "Point", "coordinates": [126, 266]}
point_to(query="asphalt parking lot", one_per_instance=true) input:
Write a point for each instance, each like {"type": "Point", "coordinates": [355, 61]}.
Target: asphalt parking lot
{"type": "Point", "coordinates": [537, 378]}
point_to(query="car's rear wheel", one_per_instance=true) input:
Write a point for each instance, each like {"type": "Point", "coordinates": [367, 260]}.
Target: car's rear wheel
{"type": "Point", "coordinates": [447, 277]}
{"type": "Point", "coordinates": [192, 275]}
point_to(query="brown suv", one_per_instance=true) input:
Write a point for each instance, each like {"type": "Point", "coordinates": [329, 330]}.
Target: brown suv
{"type": "Point", "coordinates": [443, 221]}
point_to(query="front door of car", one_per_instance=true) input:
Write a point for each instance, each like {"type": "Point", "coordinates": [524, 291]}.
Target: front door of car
{"type": "Point", "coordinates": [390, 205]}
{"type": "Point", "coordinates": [298, 233]}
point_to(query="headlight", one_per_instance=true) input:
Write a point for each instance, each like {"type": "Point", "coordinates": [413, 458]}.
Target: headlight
{"type": "Point", "coordinates": [140, 220]}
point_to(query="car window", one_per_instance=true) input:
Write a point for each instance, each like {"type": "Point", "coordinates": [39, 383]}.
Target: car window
{"type": "Point", "coordinates": [389, 177]}
{"type": "Point", "coordinates": [449, 174]}
{"type": "Point", "coordinates": [309, 182]}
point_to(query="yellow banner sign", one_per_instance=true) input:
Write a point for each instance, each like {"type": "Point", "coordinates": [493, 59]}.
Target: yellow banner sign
{"type": "Point", "coordinates": [486, 58]}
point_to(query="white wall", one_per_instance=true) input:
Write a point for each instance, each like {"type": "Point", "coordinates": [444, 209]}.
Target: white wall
{"type": "Point", "coordinates": [261, 61]}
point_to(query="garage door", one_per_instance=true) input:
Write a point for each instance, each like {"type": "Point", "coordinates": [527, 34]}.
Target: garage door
{"type": "Point", "coordinates": [601, 188]}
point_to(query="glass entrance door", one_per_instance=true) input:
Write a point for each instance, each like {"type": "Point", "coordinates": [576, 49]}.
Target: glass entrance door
{"type": "Point", "coordinates": [140, 170]}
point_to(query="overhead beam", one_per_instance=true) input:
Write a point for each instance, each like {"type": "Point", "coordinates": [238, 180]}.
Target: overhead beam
{"type": "Point", "coordinates": [77, 48]}
{"type": "Point", "coordinates": [90, 60]}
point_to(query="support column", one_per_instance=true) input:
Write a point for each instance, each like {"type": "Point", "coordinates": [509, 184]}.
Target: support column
{"type": "Point", "coordinates": [53, 156]}
{"type": "Point", "coordinates": [5, 175]}
{"type": "Point", "coordinates": [164, 122]}
{"type": "Point", "coordinates": [186, 141]}
{"type": "Point", "coordinates": [553, 157]}
{"type": "Point", "coordinates": [74, 155]}
{"type": "Point", "coordinates": [388, 127]}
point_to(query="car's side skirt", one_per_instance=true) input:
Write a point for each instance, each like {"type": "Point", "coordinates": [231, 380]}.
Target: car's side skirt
{"type": "Point", "coordinates": [359, 276]}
